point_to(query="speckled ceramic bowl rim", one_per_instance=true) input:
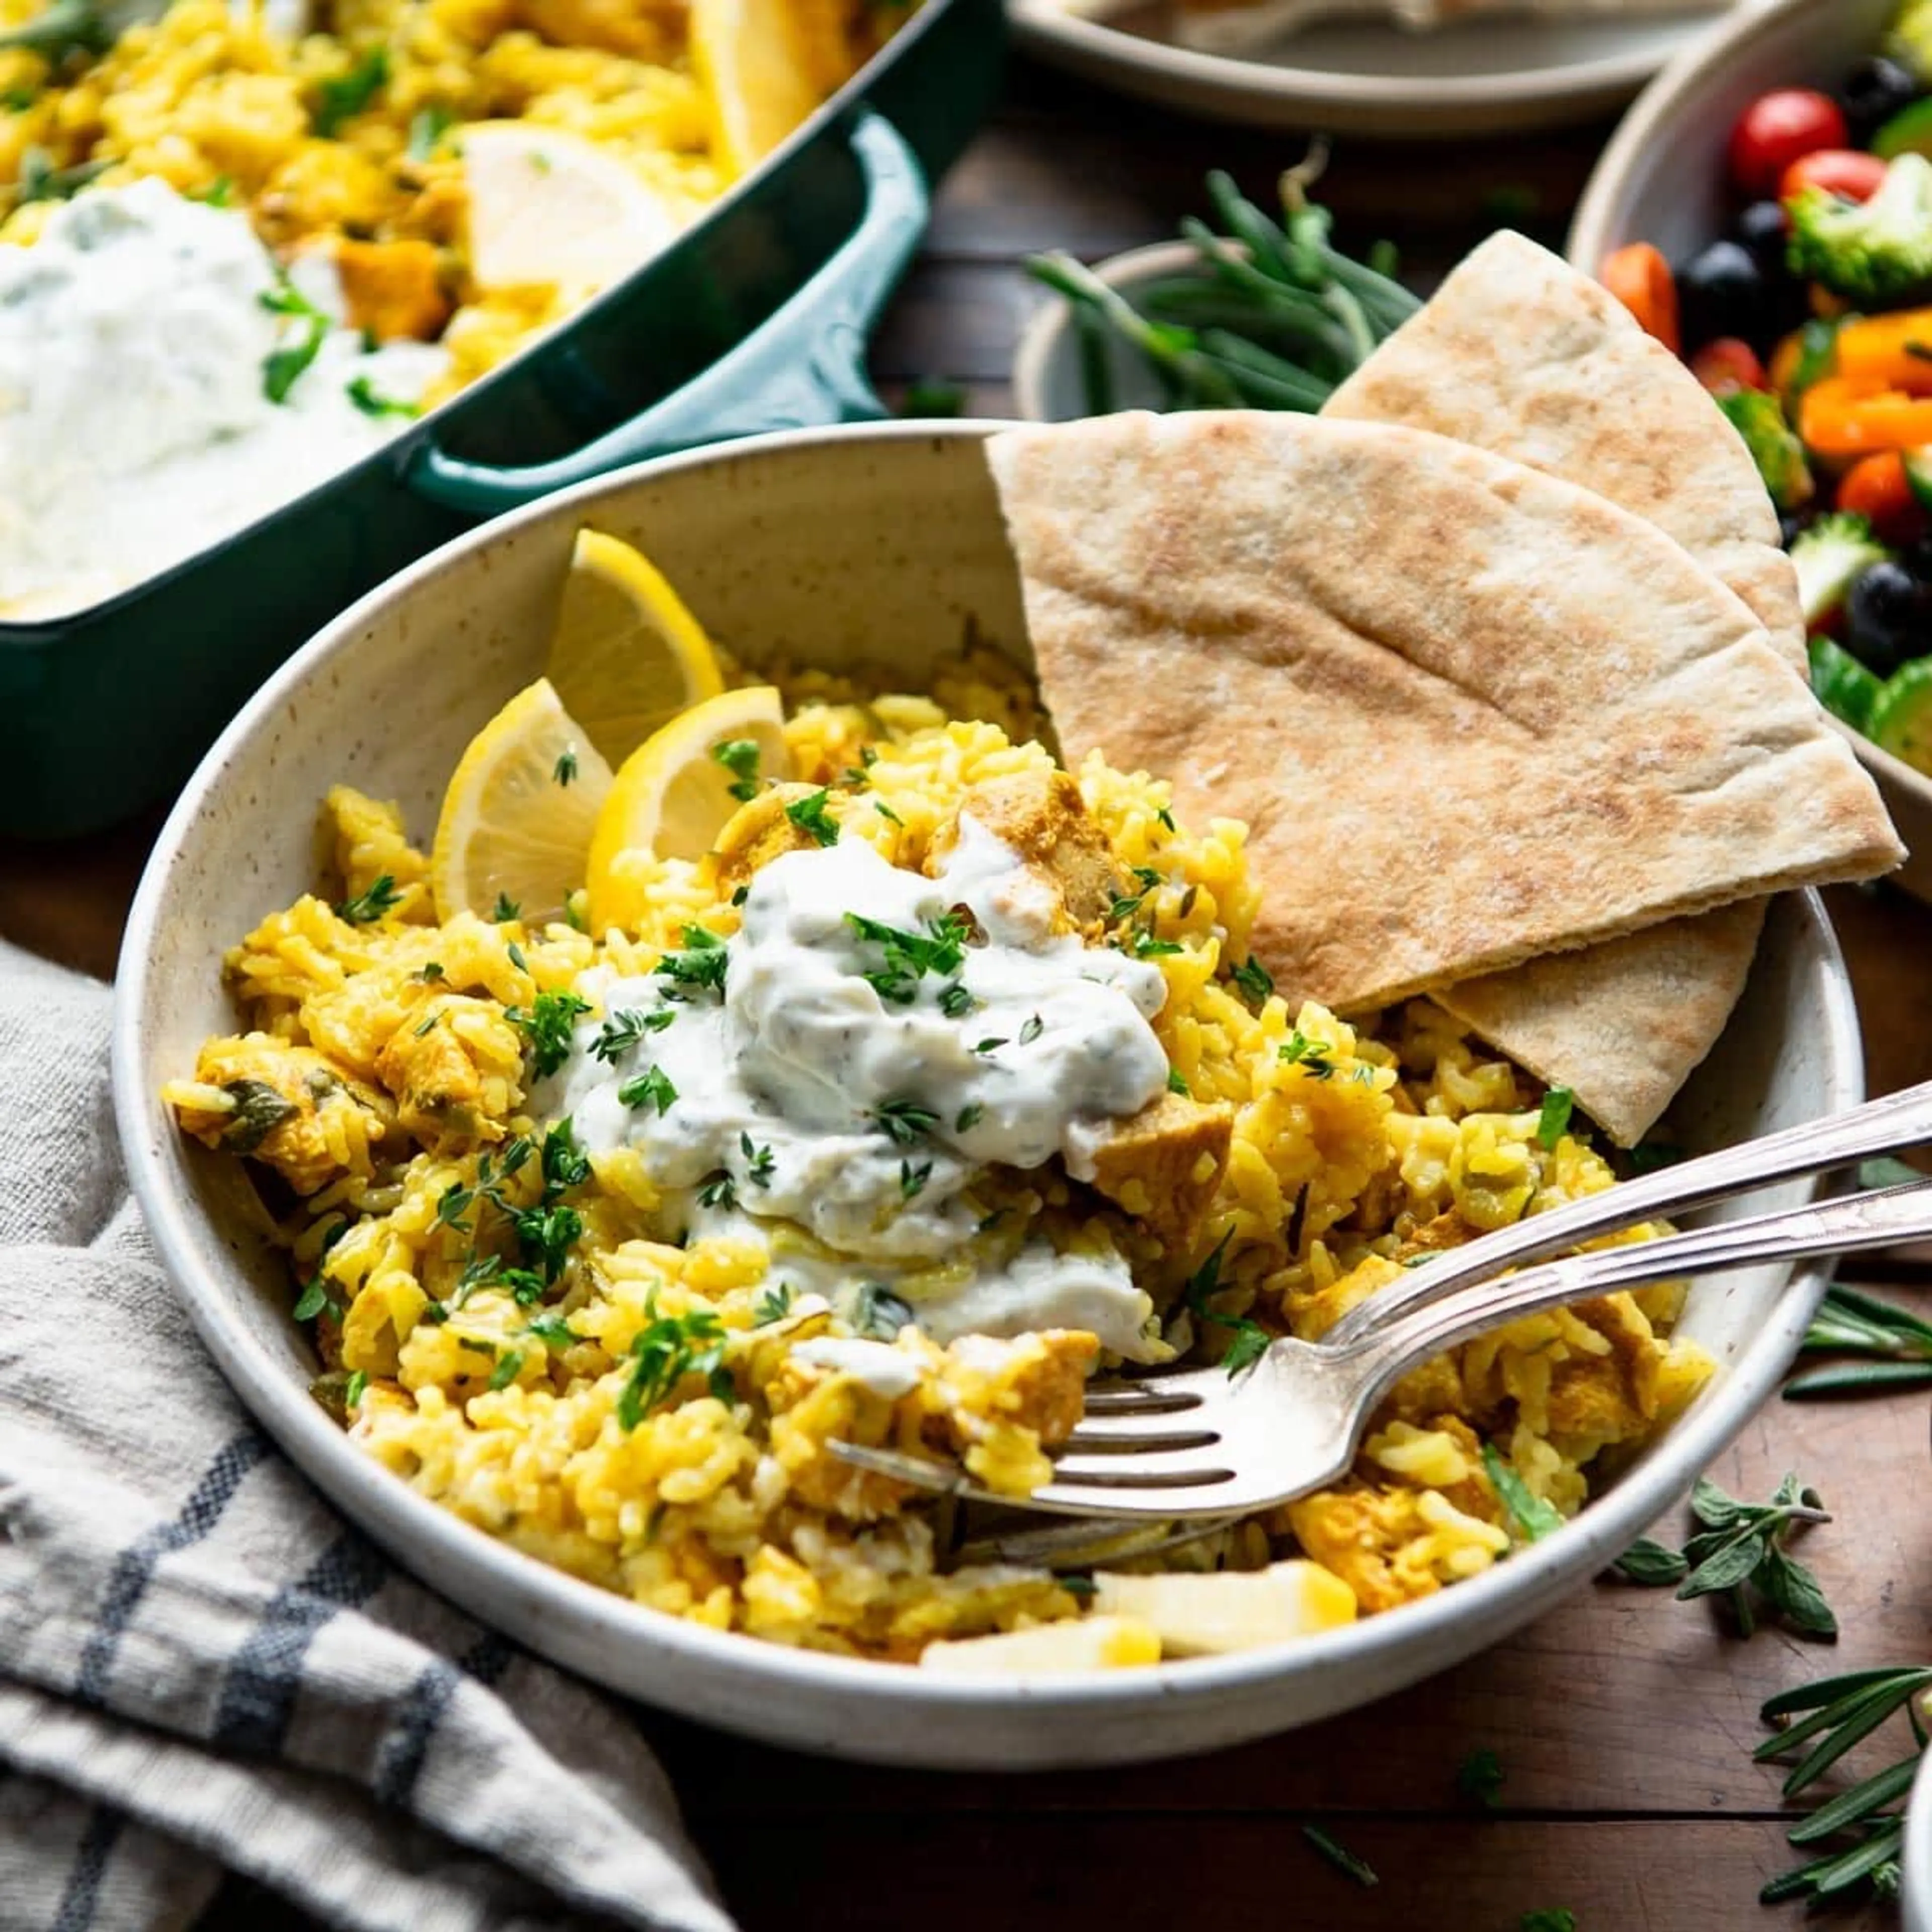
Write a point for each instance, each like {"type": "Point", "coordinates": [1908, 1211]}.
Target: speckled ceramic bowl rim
{"type": "Point", "coordinates": [437, 1544]}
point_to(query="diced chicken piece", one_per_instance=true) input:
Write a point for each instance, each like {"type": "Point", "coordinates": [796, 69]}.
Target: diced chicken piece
{"type": "Point", "coordinates": [1087, 1643]}
{"type": "Point", "coordinates": [757, 833]}
{"type": "Point", "coordinates": [1042, 817]}
{"type": "Point", "coordinates": [444, 1096]}
{"type": "Point", "coordinates": [1164, 1164]}
{"type": "Point", "coordinates": [284, 1105]}
{"type": "Point", "coordinates": [1037, 1381]}
{"type": "Point", "coordinates": [1209, 1614]}
{"type": "Point", "coordinates": [393, 288]}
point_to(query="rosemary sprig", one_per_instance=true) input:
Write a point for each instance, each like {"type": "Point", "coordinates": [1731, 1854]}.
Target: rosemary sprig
{"type": "Point", "coordinates": [1824, 1720]}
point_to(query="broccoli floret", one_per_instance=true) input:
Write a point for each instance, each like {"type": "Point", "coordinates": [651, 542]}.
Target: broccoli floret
{"type": "Point", "coordinates": [1909, 42]}
{"type": "Point", "coordinates": [1774, 447]}
{"type": "Point", "coordinates": [1874, 252]}
{"type": "Point", "coordinates": [1830, 556]}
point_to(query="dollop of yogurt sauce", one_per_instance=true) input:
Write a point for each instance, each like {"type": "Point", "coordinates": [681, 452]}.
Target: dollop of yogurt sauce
{"type": "Point", "coordinates": [851, 1124]}
{"type": "Point", "coordinates": [135, 415]}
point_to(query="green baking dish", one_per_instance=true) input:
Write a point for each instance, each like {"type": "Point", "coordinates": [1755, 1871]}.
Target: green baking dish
{"type": "Point", "coordinates": [756, 319]}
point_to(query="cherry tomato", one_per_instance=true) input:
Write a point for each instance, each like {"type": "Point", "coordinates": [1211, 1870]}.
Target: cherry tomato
{"type": "Point", "coordinates": [1877, 487]}
{"type": "Point", "coordinates": [1728, 364]}
{"type": "Point", "coordinates": [1843, 172]}
{"type": "Point", "coordinates": [1775, 130]}
{"type": "Point", "coordinates": [1640, 278]}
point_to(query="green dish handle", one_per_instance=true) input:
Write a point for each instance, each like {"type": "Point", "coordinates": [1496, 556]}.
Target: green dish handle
{"type": "Point", "coordinates": [802, 367]}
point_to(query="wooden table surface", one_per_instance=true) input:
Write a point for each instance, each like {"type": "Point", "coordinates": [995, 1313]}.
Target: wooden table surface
{"type": "Point", "coordinates": [1624, 1722]}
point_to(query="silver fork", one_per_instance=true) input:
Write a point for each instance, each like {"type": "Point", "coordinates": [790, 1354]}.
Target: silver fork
{"type": "Point", "coordinates": [1203, 1443]}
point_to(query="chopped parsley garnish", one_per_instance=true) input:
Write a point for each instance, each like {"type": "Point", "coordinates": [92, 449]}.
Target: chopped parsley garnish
{"type": "Point", "coordinates": [941, 949]}
{"type": "Point", "coordinates": [1251, 1340]}
{"type": "Point", "coordinates": [1165, 815]}
{"type": "Point", "coordinates": [340, 100]}
{"type": "Point", "coordinates": [1124, 908]}
{"type": "Point", "coordinates": [651, 1088]}
{"type": "Point", "coordinates": [886, 812]}
{"type": "Point", "coordinates": [1176, 1083]}
{"type": "Point", "coordinates": [1310, 1055]}
{"type": "Point", "coordinates": [565, 770]}
{"type": "Point", "coordinates": [969, 1117]}
{"type": "Point", "coordinates": [428, 126]}
{"type": "Point", "coordinates": [363, 393]}
{"type": "Point", "coordinates": [700, 967]}
{"type": "Point", "coordinates": [564, 1164]}
{"type": "Point", "coordinates": [260, 1109]}
{"type": "Point", "coordinates": [876, 1311]}
{"type": "Point", "coordinates": [546, 1234]}
{"type": "Point", "coordinates": [427, 1023]}
{"type": "Point", "coordinates": [505, 910]}
{"type": "Point", "coordinates": [517, 958]}
{"type": "Point", "coordinates": [913, 1180]}
{"type": "Point", "coordinates": [903, 1122]}
{"type": "Point", "coordinates": [504, 1372]}
{"type": "Point", "coordinates": [353, 1390]}
{"type": "Point", "coordinates": [989, 1046]}
{"type": "Point", "coordinates": [552, 1329]}
{"type": "Point", "coordinates": [669, 1347]}
{"type": "Point", "coordinates": [757, 1161]}
{"type": "Point", "coordinates": [717, 1190]}
{"type": "Point", "coordinates": [547, 1027]}
{"type": "Point", "coordinates": [809, 815]}
{"type": "Point", "coordinates": [1031, 1031]}
{"type": "Point", "coordinates": [740, 757]}
{"type": "Point", "coordinates": [623, 1029]}
{"type": "Point", "coordinates": [1146, 946]}
{"type": "Point", "coordinates": [1254, 980]}
{"type": "Point", "coordinates": [773, 1304]}
{"type": "Point", "coordinates": [955, 1003]}
{"type": "Point", "coordinates": [1553, 1122]}
{"type": "Point", "coordinates": [286, 364]}
{"type": "Point", "coordinates": [365, 908]}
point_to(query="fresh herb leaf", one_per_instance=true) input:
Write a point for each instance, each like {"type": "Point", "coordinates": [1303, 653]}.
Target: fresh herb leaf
{"type": "Point", "coordinates": [564, 1165]}
{"type": "Point", "coordinates": [717, 1190]}
{"type": "Point", "coordinates": [1556, 1919]}
{"type": "Point", "coordinates": [1534, 1517]}
{"type": "Point", "coordinates": [773, 1304]}
{"type": "Point", "coordinates": [1647, 1156]}
{"type": "Point", "coordinates": [363, 393]}
{"type": "Point", "coordinates": [758, 1162]}
{"type": "Point", "coordinates": [1165, 815]}
{"type": "Point", "coordinates": [877, 1311]}
{"type": "Point", "coordinates": [651, 1088]}
{"type": "Point", "coordinates": [941, 949]}
{"type": "Point", "coordinates": [428, 126]}
{"type": "Point", "coordinates": [366, 907]}
{"type": "Point", "coordinates": [1339, 1856]}
{"type": "Point", "coordinates": [886, 812]}
{"type": "Point", "coordinates": [1650, 1565]}
{"type": "Point", "coordinates": [969, 1117]}
{"type": "Point", "coordinates": [452, 1204]}
{"type": "Point", "coordinates": [547, 1026]}
{"type": "Point", "coordinates": [931, 397]}
{"type": "Point", "coordinates": [313, 1300]}
{"type": "Point", "coordinates": [1553, 1122]}
{"type": "Point", "coordinates": [517, 958]}
{"type": "Point", "coordinates": [505, 910]}
{"type": "Point", "coordinates": [60, 31]}
{"type": "Point", "coordinates": [700, 967]}
{"type": "Point", "coordinates": [352, 1391]}
{"type": "Point", "coordinates": [955, 1003]}
{"type": "Point", "coordinates": [1479, 1779]}
{"type": "Point", "coordinates": [623, 1029]}
{"type": "Point", "coordinates": [668, 1349]}
{"type": "Point", "coordinates": [989, 1046]}
{"type": "Point", "coordinates": [903, 1122]}
{"type": "Point", "coordinates": [1251, 1342]}
{"type": "Point", "coordinates": [565, 770]}
{"type": "Point", "coordinates": [342, 98]}
{"type": "Point", "coordinates": [1311, 1056]}
{"type": "Point", "coordinates": [1254, 980]}
{"type": "Point", "coordinates": [809, 815]}
{"type": "Point", "coordinates": [1177, 1084]}
{"type": "Point", "coordinates": [1124, 908]}
{"type": "Point", "coordinates": [504, 1372]}
{"type": "Point", "coordinates": [39, 180]}
{"type": "Point", "coordinates": [1147, 946]}
{"type": "Point", "coordinates": [260, 1109]}
{"type": "Point", "coordinates": [286, 362]}
{"type": "Point", "coordinates": [1031, 1030]}
{"type": "Point", "coordinates": [913, 1180]}
{"type": "Point", "coordinates": [740, 757]}
{"type": "Point", "coordinates": [430, 974]}
{"type": "Point", "coordinates": [552, 1329]}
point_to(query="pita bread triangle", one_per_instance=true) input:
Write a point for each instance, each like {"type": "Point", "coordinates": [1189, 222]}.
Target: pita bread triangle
{"type": "Point", "coordinates": [1472, 715]}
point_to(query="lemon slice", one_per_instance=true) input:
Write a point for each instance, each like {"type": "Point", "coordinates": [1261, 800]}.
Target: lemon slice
{"type": "Point", "coordinates": [517, 818]}
{"type": "Point", "coordinates": [626, 656]}
{"type": "Point", "coordinates": [750, 56]}
{"type": "Point", "coordinates": [672, 796]}
{"type": "Point", "coordinates": [548, 209]}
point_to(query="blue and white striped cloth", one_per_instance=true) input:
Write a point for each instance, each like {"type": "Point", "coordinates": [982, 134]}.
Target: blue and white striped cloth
{"type": "Point", "coordinates": [202, 1667]}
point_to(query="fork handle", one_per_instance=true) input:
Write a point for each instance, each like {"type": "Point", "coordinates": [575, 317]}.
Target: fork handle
{"type": "Point", "coordinates": [1899, 1120]}
{"type": "Point", "coordinates": [1843, 1226]}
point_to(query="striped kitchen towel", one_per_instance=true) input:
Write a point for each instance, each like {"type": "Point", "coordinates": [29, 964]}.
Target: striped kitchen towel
{"type": "Point", "coordinates": [201, 1665]}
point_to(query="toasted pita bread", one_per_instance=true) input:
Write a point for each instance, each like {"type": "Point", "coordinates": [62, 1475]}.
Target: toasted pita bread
{"type": "Point", "coordinates": [1472, 715]}
{"type": "Point", "coordinates": [1520, 355]}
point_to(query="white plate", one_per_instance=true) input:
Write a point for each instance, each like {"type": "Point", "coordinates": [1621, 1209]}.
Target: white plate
{"type": "Point", "coordinates": [1488, 76]}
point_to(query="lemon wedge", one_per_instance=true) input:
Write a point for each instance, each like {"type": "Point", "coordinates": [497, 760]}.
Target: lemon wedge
{"type": "Point", "coordinates": [626, 656]}
{"type": "Point", "coordinates": [548, 209]}
{"type": "Point", "coordinates": [517, 818]}
{"type": "Point", "coordinates": [673, 795]}
{"type": "Point", "coordinates": [751, 57]}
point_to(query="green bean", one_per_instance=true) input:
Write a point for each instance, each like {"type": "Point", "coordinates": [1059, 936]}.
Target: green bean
{"type": "Point", "coordinates": [1096, 372]}
{"type": "Point", "coordinates": [1310, 392]}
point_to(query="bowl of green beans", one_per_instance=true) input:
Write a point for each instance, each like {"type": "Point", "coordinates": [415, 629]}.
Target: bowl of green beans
{"type": "Point", "coordinates": [1256, 310]}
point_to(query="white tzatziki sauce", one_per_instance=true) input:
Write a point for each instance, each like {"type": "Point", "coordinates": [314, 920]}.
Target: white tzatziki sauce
{"type": "Point", "coordinates": [135, 422]}
{"type": "Point", "coordinates": [849, 1113]}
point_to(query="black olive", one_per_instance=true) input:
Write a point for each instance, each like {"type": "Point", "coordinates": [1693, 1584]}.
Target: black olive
{"type": "Point", "coordinates": [1874, 91]}
{"type": "Point", "coordinates": [1792, 524]}
{"type": "Point", "coordinates": [1765, 230]}
{"type": "Point", "coordinates": [1888, 618]}
{"type": "Point", "coordinates": [1721, 291]}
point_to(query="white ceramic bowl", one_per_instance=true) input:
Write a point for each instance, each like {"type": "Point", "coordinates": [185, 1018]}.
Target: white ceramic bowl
{"type": "Point", "coordinates": [1915, 1898]}
{"type": "Point", "coordinates": [1661, 180]}
{"type": "Point", "coordinates": [880, 541]}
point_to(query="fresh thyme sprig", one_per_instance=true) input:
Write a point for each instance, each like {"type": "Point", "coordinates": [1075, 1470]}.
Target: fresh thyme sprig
{"type": "Point", "coordinates": [1823, 1721]}
{"type": "Point", "coordinates": [1740, 1554]}
{"type": "Point", "coordinates": [1248, 1340]}
{"type": "Point", "coordinates": [547, 1026]}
